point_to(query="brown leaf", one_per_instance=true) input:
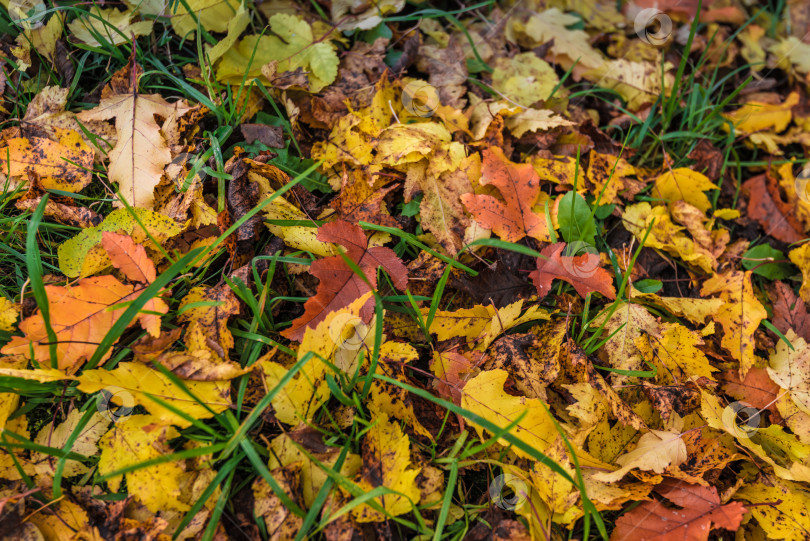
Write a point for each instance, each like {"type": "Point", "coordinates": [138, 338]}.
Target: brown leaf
{"type": "Point", "coordinates": [358, 201]}
{"type": "Point", "coordinates": [789, 311]}
{"type": "Point", "coordinates": [519, 186]}
{"type": "Point", "coordinates": [582, 271]}
{"type": "Point", "coordinates": [271, 136]}
{"type": "Point", "coordinates": [339, 285]}
{"type": "Point", "coordinates": [775, 216]}
{"type": "Point", "coordinates": [698, 510]}
{"type": "Point", "coordinates": [681, 399]}
{"type": "Point", "coordinates": [128, 257]}
{"type": "Point", "coordinates": [757, 389]}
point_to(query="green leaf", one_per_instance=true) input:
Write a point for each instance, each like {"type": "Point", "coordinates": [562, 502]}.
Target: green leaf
{"type": "Point", "coordinates": [575, 220]}
{"type": "Point", "coordinates": [756, 260]}
{"type": "Point", "coordinates": [648, 286]}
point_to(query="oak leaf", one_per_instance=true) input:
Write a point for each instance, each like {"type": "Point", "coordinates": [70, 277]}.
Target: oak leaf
{"type": "Point", "coordinates": [698, 511]}
{"type": "Point", "coordinates": [140, 153]}
{"type": "Point", "coordinates": [80, 316]}
{"type": "Point", "coordinates": [339, 285]}
{"type": "Point", "coordinates": [519, 186]}
{"type": "Point", "coordinates": [581, 271]}
{"type": "Point", "coordinates": [128, 257]}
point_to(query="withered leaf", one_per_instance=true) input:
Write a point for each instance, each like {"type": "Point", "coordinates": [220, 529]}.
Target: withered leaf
{"type": "Point", "coordinates": [581, 271]}
{"type": "Point", "coordinates": [339, 285]}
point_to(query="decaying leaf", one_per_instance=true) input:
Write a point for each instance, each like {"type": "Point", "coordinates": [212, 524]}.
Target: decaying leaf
{"type": "Point", "coordinates": [581, 271]}
{"type": "Point", "coordinates": [339, 285]}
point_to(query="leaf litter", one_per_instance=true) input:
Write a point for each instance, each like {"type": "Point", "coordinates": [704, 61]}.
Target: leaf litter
{"type": "Point", "coordinates": [346, 271]}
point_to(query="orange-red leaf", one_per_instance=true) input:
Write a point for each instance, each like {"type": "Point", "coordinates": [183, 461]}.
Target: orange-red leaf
{"type": "Point", "coordinates": [581, 271]}
{"type": "Point", "coordinates": [339, 285]}
{"type": "Point", "coordinates": [80, 316]}
{"type": "Point", "coordinates": [128, 257]}
{"type": "Point", "coordinates": [519, 186]}
{"type": "Point", "coordinates": [698, 508]}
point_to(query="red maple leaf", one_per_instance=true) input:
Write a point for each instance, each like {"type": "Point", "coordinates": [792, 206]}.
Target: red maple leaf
{"type": "Point", "coordinates": [695, 512]}
{"type": "Point", "coordinates": [339, 285]}
{"type": "Point", "coordinates": [581, 271]}
{"type": "Point", "coordinates": [519, 186]}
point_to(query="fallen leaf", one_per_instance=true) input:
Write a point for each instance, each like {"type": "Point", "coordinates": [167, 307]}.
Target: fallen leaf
{"type": "Point", "coordinates": [207, 310]}
{"type": "Point", "coordinates": [581, 271]}
{"type": "Point", "coordinates": [519, 186]}
{"type": "Point", "coordinates": [740, 316]}
{"type": "Point", "coordinates": [387, 463]}
{"type": "Point", "coordinates": [339, 285]}
{"type": "Point", "coordinates": [108, 25]}
{"type": "Point", "coordinates": [655, 451]}
{"type": "Point", "coordinates": [140, 153]}
{"type": "Point", "coordinates": [128, 257]}
{"type": "Point", "coordinates": [698, 511]}
{"type": "Point", "coordinates": [63, 164]}
{"type": "Point", "coordinates": [80, 316]}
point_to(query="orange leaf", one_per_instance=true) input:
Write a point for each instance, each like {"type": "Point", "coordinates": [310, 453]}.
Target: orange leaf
{"type": "Point", "coordinates": [339, 285]}
{"type": "Point", "coordinates": [80, 317]}
{"type": "Point", "coordinates": [519, 186]}
{"type": "Point", "coordinates": [757, 388]}
{"type": "Point", "coordinates": [698, 508]}
{"type": "Point", "coordinates": [582, 271]}
{"type": "Point", "coordinates": [128, 257]}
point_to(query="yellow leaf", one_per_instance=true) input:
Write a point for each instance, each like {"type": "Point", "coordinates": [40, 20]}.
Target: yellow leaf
{"type": "Point", "coordinates": [134, 382]}
{"type": "Point", "coordinates": [308, 390]}
{"type": "Point", "coordinates": [8, 314]}
{"type": "Point", "coordinates": [481, 324]}
{"type": "Point", "coordinates": [532, 120]}
{"type": "Point", "coordinates": [236, 26]}
{"type": "Point", "coordinates": [207, 328]}
{"type": "Point", "coordinates": [801, 258]}
{"type": "Point", "coordinates": [213, 15]}
{"type": "Point", "coordinates": [137, 439]}
{"type": "Point", "coordinates": [666, 235]}
{"type": "Point", "coordinates": [80, 316]}
{"type": "Point", "coordinates": [64, 165]}
{"type": "Point", "coordinates": [284, 452]}
{"type": "Point", "coordinates": [292, 45]}
{"type": "Point", "coordinates": [783, 508]}
{"type": "Point", "coordinates": [790, 369]}
{"type": "Point", "coordinates": [524, 79]}
{"type": "Point", "coordinates": [277, 517]}
{"type": "Point", "coordinates": [639, 83]}
{"type": "Point", "coordinates": [757, 116]}
{"type": "Point", "coordinates": [740, 316]}
{"type": "Point", "coordinates": [108, 25]}
{"type": "Point", "coordinates": [141, 153]}
{"type": "Point", "coordinates": [83, 254]}
{"type": "Point", "coordinates": [551, 26]}
{"type": "Point", "coordinates": [47, 113]}
{"type": "Point", "coordinates": [677, 349]}
{"type": "Point", "coordinates": [792, 51]}
{"type": "Point", "coordinates": [387, 463]}
{"type": "Point", "coordinates": [655, 451]}
{"type": "Point", "coordinates": [628, 323]}
{"type": "Point", "coordinates": [684, 184]}
{"type": "Point", "coordinates": [85, 444]}
{"type": "Point", "coordinates": [484, 396]}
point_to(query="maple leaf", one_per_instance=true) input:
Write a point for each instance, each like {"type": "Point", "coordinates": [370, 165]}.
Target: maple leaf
{"type": "Point", "coordinates": [140, 153]}
{"type": "Point", "coordinates": [339, 285]}
{"type": "Point", "coordinates": [128, 257]}
{"type": "Point", "coordinates": [581, 271]}
{"type": "Point", "coordinates": [520, 187]}
{"type": "Point", "coordinates": [698, 511]}
{"type": "Point", "coordinates": [80, 315]}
